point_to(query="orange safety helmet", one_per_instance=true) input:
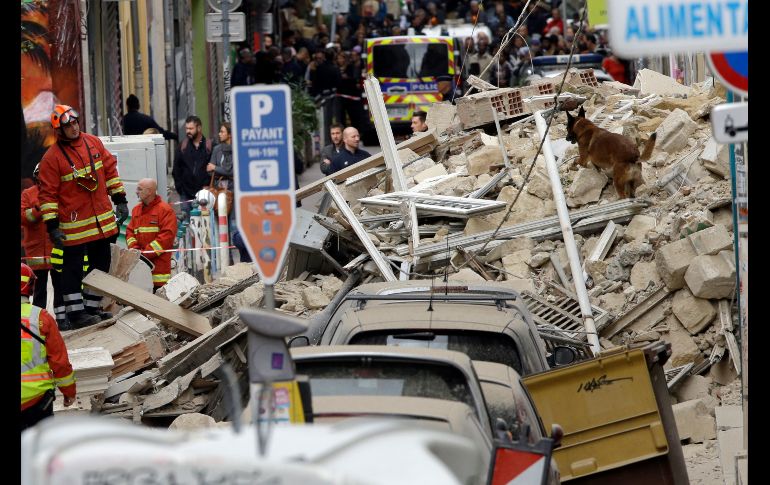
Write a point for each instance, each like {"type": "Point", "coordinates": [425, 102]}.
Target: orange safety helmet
{"type": "Point", "coordinates": [27, 280]}
{"type": "Point", "coordinates": [63, 115]}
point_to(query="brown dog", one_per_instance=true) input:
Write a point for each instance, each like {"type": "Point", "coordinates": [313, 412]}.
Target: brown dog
{"type": "Point", "coordinates": [609, 151]}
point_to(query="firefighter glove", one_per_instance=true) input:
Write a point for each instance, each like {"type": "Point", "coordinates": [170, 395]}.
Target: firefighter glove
{"type": "Point", "coordinates": [121, 212]}
{"type": "Point", "coordinates": [57, 237]}
{"type": "Point", "coordinates": [57, 258]}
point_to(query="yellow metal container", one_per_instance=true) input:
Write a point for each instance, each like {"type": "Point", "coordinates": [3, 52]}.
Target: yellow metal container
{"type": "Point", "coordinates": [608, 410]}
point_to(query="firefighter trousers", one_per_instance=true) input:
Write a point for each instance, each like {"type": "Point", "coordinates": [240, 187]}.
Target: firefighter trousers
{"type": "Point", "coordinates": [76, 298]}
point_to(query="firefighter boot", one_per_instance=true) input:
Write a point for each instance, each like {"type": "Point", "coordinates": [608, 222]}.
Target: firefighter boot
{"type": "Point", "coordinates": [82, 319]}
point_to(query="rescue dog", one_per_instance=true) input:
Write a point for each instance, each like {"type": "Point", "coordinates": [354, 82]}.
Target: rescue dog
{"type": "Point", "coordinates": [609, 151]}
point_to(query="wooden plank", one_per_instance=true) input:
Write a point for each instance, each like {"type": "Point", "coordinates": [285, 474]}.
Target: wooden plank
{"type": "Point", "coordinates": [198, 351]}
{"type": "Point", "coordinates": [420, 144]}
{"type": "Point", "coordinates": [144, 302]}
{"type": "Point", "coordinates": [631, 315]}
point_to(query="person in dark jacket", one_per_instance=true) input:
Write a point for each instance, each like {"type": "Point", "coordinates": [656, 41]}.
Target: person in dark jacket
{"type": "Point", "coordinates": [135, 123]}
{"type": "Point", "coordinates": [351, 154]}
{"type": "Point", "coordinates": [245, 70]}
{"type": "Point", "coordinates": [192, 157]}
{"type": "Point", "coordinates": [221, 161]}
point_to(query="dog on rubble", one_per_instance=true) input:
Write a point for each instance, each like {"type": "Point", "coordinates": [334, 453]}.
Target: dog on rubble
{"type": "Point", "coordinates": [609, 151]}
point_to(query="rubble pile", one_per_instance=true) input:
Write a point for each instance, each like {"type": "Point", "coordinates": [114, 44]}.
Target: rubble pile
{"type": "Point", "coordinates": [659, 266]}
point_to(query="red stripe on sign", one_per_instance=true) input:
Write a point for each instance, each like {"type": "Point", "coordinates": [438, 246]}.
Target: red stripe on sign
{"type": "Point", "coordinates": [729, 73]}
{"type": "Point", "coordinates": [222, 220]}
{"type": "Point", "coordinates": [223, 238]}
{"type": "Point", "coordinates": [509, 464]}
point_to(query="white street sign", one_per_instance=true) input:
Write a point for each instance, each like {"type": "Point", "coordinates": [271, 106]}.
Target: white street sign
{"type": "Point", "coordinates": [236, 27]}
{"type": "Point", "coordinates": [335, 6]}
{"type": "Point", "coordinates": [641, 27]}
{"type": "Point", "coordinates": [730, 122]}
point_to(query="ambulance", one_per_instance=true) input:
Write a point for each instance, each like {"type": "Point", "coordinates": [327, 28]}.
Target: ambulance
{"type": "Point", "coordinates": [408, 68]}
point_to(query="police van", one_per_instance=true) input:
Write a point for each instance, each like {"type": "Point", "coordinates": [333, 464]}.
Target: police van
{"type": "Point", "coordinates": [408, 68]}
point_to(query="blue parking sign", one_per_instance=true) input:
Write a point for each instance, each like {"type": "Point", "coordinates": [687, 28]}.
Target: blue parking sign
{"type": "Point", "coordinates": [263, 168]}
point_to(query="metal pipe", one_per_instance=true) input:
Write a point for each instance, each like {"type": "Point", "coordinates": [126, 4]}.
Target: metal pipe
{"type": "Point", "coordinates": [569, 238]}
{"type": "Point", "coordinates": [269, 294]}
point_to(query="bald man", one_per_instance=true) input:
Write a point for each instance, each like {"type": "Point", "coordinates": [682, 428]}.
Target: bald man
{"type": "Point", "coordinates": [351, 153]}
{"type": "Point", "coordinates": [152, 230]}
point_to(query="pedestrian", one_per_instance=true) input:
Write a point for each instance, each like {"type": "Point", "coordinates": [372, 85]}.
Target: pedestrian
{"type": "Point", "coordinates": [152, 230]}
{"type": "Point", "coordinates": [221, 165]}
{"type": "Point", "coordinates": [351, 154]}
{"type": "Point", "coordinates": [245, 70]}
{"type": "Point", "coordinates": [446, 87]}
{"type": "Point", "coordinates": [78, 177]}
{"type": "Point", "coordinates": [44, 361]}
{"type": "Point", "coordinates": [324, 80]}
{"type": "Point", "coordinates": [136, 123]}
{"type": "Point", "coordinates": [192, 157]}
{"type": "Point", "coordinates": [332, 149]}
{"type": "Point", "coordinates": [418, 122]}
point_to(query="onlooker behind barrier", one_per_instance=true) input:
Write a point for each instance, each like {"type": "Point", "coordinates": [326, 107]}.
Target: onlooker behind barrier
{"type": "Point", "coordinates": [136, 123]}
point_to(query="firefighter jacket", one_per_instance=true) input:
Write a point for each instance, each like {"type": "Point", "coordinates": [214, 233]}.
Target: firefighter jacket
{"type": "Point", "coordinates": [77, 180]}
{"type": "Point", "coordinates": [153, 229]}
{"type": "Point", "coordinates": [43, 366]}
{"type": "Point", "coordinates": [36, 243]}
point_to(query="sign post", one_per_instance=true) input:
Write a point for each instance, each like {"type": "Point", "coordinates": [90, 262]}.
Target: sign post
{"type": "Point", "coordinates": [225, 7]}
{"type": "Point", "coordinates": [263, 162]}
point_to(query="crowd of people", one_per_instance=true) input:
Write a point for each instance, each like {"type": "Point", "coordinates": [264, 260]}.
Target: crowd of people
{"type": "Point", "coordinates": [332, 69]}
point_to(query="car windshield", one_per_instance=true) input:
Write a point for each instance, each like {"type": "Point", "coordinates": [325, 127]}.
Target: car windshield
{"type": "Point", "coordinates": [491, 347]}
{"type": "Point", "coordinates": [410, 60]}
{"type": "Point", "coordinates": [369, 376]}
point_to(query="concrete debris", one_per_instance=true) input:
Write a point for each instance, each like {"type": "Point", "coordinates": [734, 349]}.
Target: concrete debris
{"type": "Point", "coordinates": [675, 131]}
{"type": "Point", "coordinates": [314, 298]}
{"type": "Point", "coordinates": [693, 312]}
{"type": "Point", "coordinates": [712, 276]}
{"type": "Point", "coordinates": [651, 82]}
{"type": "Point", "coordinates": [465, 274]}
{"type": "Point", "coordinates": [711, 241]}
{"type": "Point", "coordinates": [694, 387]}
{"type": "Point", "coordinates": [639, 227]}
{"type": "Point", "coordinates": [683, 348]}
{"type": "Point", "coordinates": [672, 261]}
{"type": "Point", "coordinates": [586, 187]}
{"type": "Point", "coordinates": [631, 253]}
{"type": "Point", "coordinates": [694, 422]}
{"type": "Point", "coordinates": [192, 421]}
{"type": "Point", "coordinates": [644, 274]}
{"type": "Point", "coordinates": [483, 159]}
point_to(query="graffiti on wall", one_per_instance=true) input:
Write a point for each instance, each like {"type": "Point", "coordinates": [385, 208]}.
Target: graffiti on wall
{"type": "Point", "coordinates": [50, 71]}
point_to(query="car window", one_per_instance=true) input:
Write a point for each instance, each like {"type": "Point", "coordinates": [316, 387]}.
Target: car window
{"type": "Point", "coordinates": [491, 347]}
{"type": "Point", "coordinates": [500, 404]}
{"type": "Point", "coordinates": [513, 406]}
{"type": "Point", "coordinates": [410, 60]}
{"type": "Point", "coordinates": [371, 377]}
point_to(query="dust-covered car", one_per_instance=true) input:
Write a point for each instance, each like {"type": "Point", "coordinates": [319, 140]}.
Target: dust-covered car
{"type": "Point", "coordinates": [487, 321]}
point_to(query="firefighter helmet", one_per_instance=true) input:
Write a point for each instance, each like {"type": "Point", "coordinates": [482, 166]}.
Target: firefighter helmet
{"type": "Point", "coordinates": [27, 280]}
{"type": "Point", "coordinates": [63, 115]}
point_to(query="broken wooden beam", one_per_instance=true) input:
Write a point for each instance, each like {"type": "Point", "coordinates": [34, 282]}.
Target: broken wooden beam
{"type": "Point", "coordinates": [377, 257]}
{"type": "Point", "coordinates": [421, 144]}
{"type": "Point", "coordinates": [631, 315]}
{"type": "Point", "coordinates": [147, 303]}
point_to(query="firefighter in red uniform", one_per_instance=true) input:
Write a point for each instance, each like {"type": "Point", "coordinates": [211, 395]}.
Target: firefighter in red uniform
{"type": "Point", "coordinates": [78, 177]}
{"type": "Point", "coordinates": [44, 361]}
{"type": "Point", "coordinates": [37, 246]}
{"type": "Point", "coordinates": [152, 230]}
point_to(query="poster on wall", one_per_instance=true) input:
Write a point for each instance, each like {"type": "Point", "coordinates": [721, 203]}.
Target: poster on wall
{"type": "Point", "coordinates": [50, 72]}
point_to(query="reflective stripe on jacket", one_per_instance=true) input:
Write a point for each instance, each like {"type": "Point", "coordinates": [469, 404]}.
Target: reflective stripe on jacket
{"type": "Point", "coordinates": [43, 366]}
{"type": "Point", "coordinates": [36, 243]}
{"type": "Point", "coordinates": [153, 228]}
{"type": "Point", "coordinates": [83, 215]}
